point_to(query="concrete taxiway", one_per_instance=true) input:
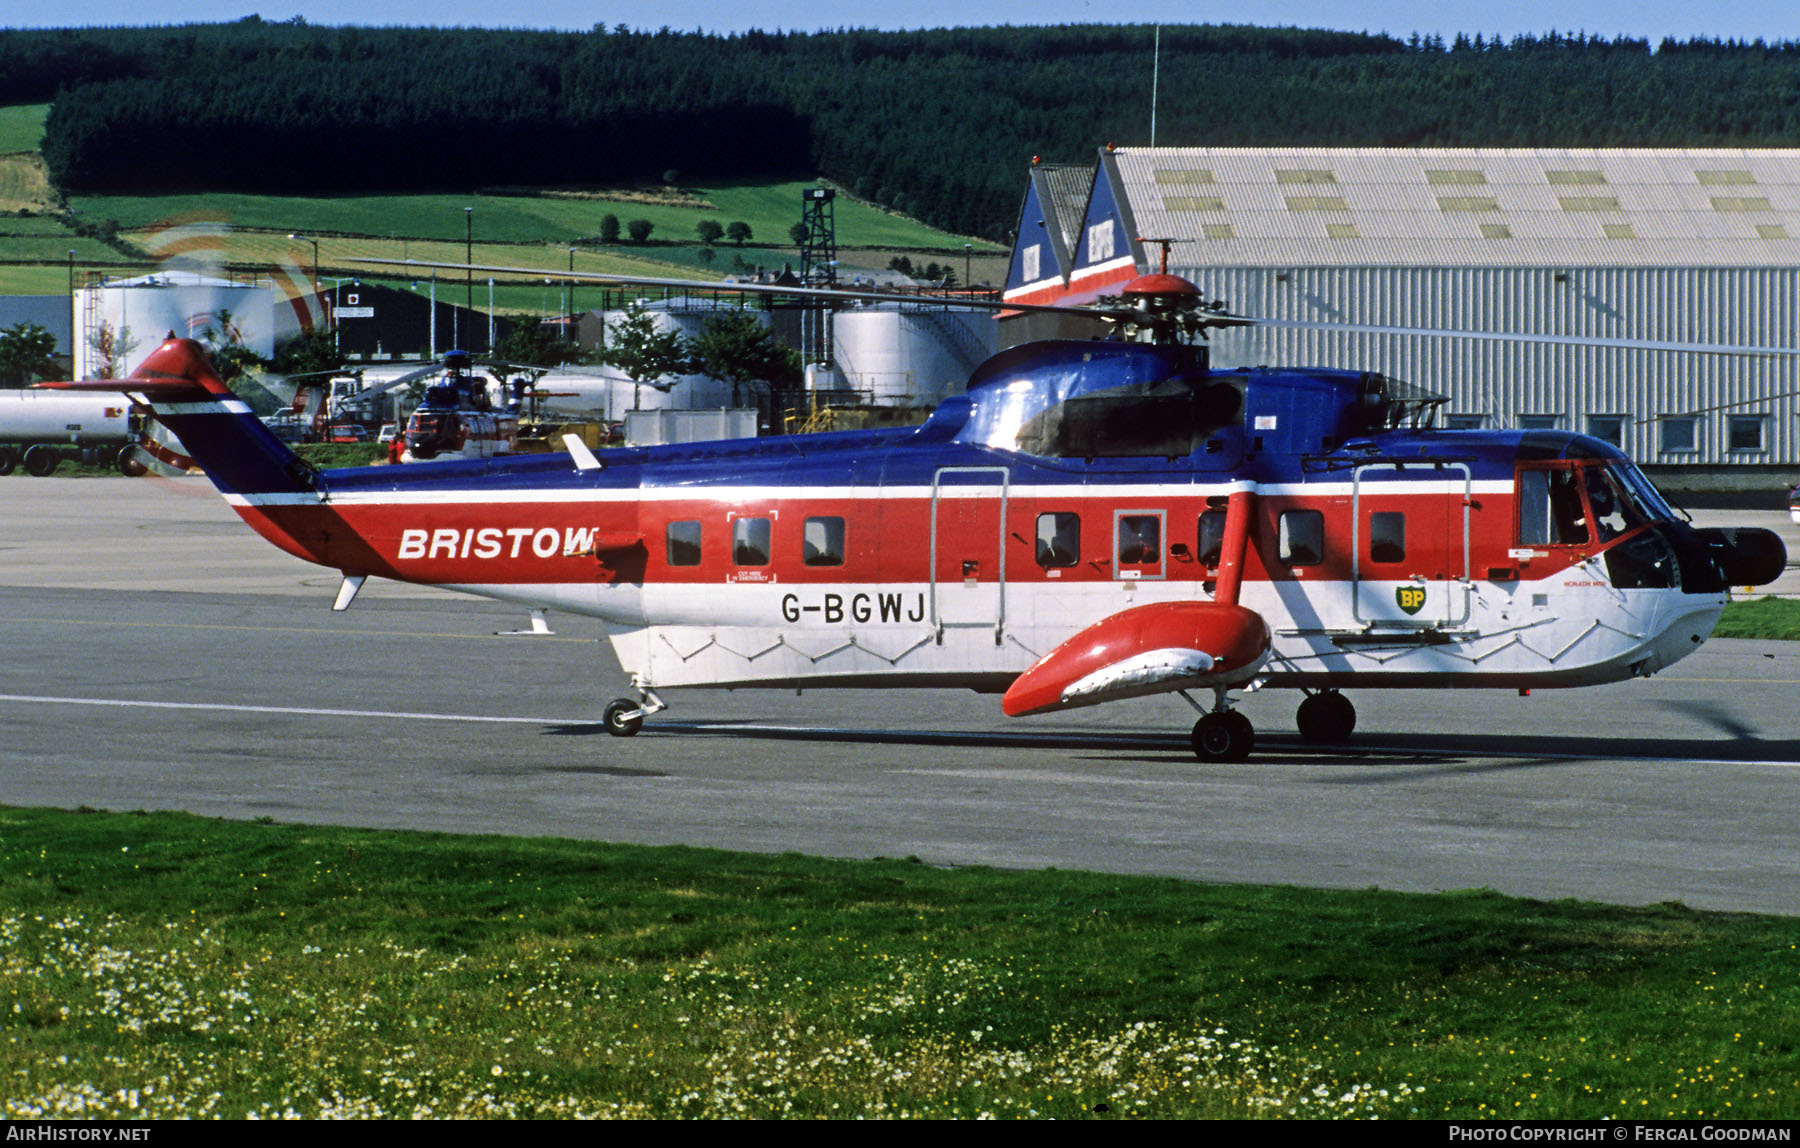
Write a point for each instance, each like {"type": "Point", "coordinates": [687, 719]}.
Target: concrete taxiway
{"type": "Point", "coordinates": [160, 656]}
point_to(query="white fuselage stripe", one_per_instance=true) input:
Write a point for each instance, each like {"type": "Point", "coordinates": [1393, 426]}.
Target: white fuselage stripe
{"type": "Point", "coordinates": [1136, 492]}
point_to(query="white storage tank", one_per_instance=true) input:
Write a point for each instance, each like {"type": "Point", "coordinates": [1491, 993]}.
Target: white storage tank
{"type": "Point", "coordinates": [119, 322]}
{"type": "Point", "coordinates": [686, 316]}
{"type": "Point", "coordinates": [903, 355]}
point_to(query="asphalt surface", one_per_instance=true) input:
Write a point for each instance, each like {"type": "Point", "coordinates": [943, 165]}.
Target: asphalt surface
{"type": "Point", "coordinates": [160, 656]}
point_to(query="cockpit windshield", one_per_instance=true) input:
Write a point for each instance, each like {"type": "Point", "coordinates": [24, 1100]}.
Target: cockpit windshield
{"type": "Point", "coordinates": [1572, 503]}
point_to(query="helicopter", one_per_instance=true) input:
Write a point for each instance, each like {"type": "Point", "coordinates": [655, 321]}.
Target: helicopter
{"type": "Point", "coordinates": [458, 418]}
{"type": "Point", "coordinates": [1093, 520]}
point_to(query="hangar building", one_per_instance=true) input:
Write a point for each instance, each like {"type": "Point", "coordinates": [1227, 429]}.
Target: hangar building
{"type": "Point", "coordinates": [1668, 245]}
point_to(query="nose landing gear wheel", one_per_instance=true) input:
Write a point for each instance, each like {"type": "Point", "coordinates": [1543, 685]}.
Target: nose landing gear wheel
{"type": "Point", "coordinates": [1223, 736]}
{"type": "Point", "coordinates": [1326, 718]}
{"type": "Point", "coordinates": [623, 717]}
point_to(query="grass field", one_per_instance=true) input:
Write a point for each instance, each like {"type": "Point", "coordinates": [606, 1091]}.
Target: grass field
{"type": "Point", "coordinates": [161, 965]}
{"type": "Point", "coordinates": [22, 127]}
{"type": "Point", "coordinates": [516, 230]}
{"type": "Point", "coordinates": [523, 228]}
{"type": "Point", "coordinates": [770, 210]}
{"type": "Point", "coordinates": [1768, 618]}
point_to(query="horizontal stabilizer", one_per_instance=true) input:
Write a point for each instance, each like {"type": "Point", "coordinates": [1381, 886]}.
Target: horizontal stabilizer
{"type": "Point", "coordinates": [1145, 650]}
{"type": "Point", "coordinates": [177, 371]}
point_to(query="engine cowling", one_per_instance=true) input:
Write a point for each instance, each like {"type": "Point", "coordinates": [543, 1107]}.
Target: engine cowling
{"type": "Point", "coordinates": [1145, 650]}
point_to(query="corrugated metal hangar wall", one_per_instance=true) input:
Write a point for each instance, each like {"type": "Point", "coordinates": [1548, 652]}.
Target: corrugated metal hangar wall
{"type": "Point", "coordinates": [1666, 245]}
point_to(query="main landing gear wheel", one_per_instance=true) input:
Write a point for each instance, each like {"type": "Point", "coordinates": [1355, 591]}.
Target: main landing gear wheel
{"type": "Point", "coordinates": [623, 717]}
{"type": "Point", "coordinates": [1326, 718]}
{"type": "Point", "coordinates": [1223, 735]}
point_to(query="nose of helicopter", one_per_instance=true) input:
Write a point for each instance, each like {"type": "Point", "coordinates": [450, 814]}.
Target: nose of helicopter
{"type": "Point", "coordinates": [1680, 633]}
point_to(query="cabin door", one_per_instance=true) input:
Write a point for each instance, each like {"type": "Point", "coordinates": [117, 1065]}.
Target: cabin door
{"type": "Point", "coordinates": [1410, 544]}
{"type": "Point", "coordinates": [968, 548]}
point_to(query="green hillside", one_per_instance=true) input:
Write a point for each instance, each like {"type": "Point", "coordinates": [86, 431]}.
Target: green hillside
{"type": "Point", "coordinates": [22, 127]}
{"type": "Point", "coordinates": [553, 217]}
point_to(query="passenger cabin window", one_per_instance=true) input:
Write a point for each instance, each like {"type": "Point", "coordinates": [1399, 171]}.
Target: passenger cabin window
{"type": "Point", "coordinates": [682, 541]}
{"type": "Point", "coordinates": [1140, 539]}
{"type": "Point", "coordinates": [750, 542]}
{"type": "Point", "coordinates": [1058, 539]}
{"type": "Point", "coordinates": [1302, 537]}
{"type": "Point", "coordinates": [1212, 537]}
{"type": "Point", "coordinates": [823, 542]}
{"type": "Point", "coordinates": [1387, 536]}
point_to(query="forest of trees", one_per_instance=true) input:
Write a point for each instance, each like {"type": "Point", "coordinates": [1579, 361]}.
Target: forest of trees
{"type": "Point", "coordinates": [938, 124]}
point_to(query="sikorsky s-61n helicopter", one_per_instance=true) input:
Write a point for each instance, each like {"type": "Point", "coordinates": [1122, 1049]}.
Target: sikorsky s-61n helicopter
{"type": "Point", "coordinates": [1093, 521]}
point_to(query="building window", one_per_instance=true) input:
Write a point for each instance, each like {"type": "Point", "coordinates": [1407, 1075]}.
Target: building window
{"type": "Point", "coordinates": [1540, 422]}
{"type": "Point", "coordinates": [1607, 428]}
{"type": "Point", "coordinates": [1680, 433]}
{"type": "Point", "coordinates": [750, 542]}
{"type": "Point", "coordinates": [823, 542]}
{"type": "Point", "coordinates": [1387, 536]}
{"type": "Point", "coordinates": [1464, 422]}
{"type": "Point", "coordinates": [682, 543]}
{"type": "Point", "coordinates": [1100, 241]}
{"type": "Point", "coordinates": [1302, 540]}
{"type": "Point", "coordinates": [1058, 539]}
{"type": "Point", "coordinates": [1744, 432]}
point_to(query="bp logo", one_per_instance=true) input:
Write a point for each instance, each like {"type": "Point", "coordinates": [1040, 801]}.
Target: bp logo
{"type": "Point", "coordinates": [1410, 598]}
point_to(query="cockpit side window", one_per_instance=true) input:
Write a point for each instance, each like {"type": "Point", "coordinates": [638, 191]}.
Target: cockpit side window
{"type": "Point", "coordinates": [1613, 511]}
{"type": "Point", "coordinates": [1550, 508]}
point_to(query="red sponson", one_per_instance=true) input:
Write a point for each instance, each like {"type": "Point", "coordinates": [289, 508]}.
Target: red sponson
{"type": "Point", "coordinates": [1237, 639]}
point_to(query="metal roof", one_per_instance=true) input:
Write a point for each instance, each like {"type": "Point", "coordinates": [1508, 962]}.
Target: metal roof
{"type": "Point", "coordinates": [1498, 207]}
{"type": "Point", "coordinates": [1067, 186]}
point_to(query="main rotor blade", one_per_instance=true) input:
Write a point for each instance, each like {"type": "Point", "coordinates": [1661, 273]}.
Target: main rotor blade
{"type": "Point", "coordinates": [1554, 340]}
{"type": "Point", "coordinates": [851, 294]}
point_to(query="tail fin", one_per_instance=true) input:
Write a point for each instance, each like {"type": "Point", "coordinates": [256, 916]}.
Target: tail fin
{"type": "Point", "coordinates": [218, 429]}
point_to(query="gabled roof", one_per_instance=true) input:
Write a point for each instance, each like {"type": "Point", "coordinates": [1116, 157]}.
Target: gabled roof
{"type": "Point", "coordinates": [1475, 207]}
{"type": "Point", "coordinates": [1049, 221]}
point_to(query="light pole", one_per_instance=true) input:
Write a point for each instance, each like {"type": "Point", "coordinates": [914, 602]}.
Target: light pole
{"type": "Point", "coordinates": [968, 249]}
{"type": "Point", "coordinates": [315, 246]}
{"type": "Point", "coordinates": [469, 259]}
{"type": "Point", "coordinates": [572, 331]}
{"type": "Point", "coordinates": [337, 286]}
